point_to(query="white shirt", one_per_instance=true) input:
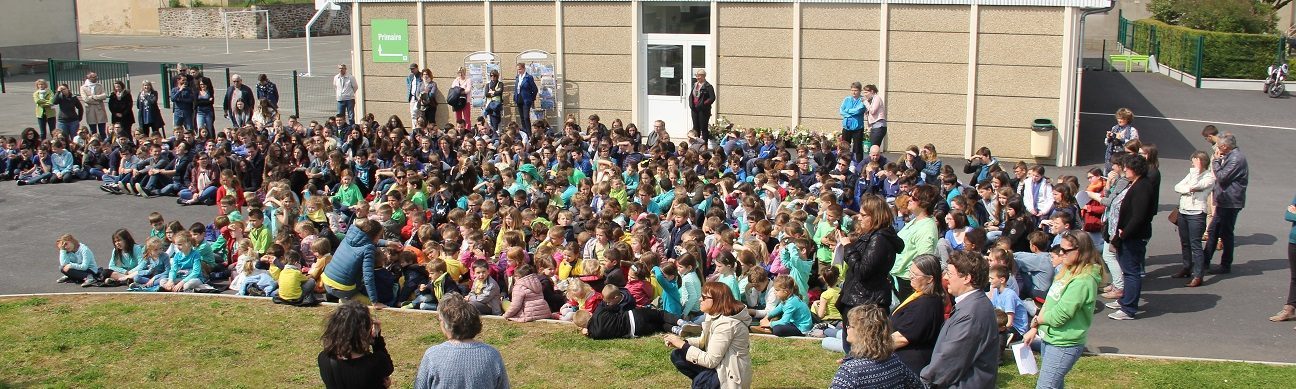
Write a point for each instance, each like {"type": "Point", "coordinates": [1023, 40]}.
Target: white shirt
{"type": "Point", "coordinates": [960, 297]}
{"type": "Point", "coordinates": [345, 86]}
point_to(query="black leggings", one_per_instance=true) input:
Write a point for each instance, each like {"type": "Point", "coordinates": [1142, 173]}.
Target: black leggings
{"type": "Point", "coordinates": [783, 330]}
{"type": "Point", "coordinates": [1291, 265]}
{"type": "Point", "coordinates": [856, 141]}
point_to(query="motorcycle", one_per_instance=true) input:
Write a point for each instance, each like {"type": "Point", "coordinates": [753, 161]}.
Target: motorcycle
{"type": "Point", "coordinates": [1273, 85]}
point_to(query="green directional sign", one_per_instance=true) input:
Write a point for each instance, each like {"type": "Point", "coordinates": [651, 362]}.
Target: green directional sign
{"type": "Point", "coordinates": [390, 40]}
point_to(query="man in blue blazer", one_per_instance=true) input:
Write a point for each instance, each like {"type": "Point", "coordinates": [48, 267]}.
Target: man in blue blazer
{"type": "Point", "coordinates": [967, 349]}
{"type": "Point", "coordinates": [524, 95]}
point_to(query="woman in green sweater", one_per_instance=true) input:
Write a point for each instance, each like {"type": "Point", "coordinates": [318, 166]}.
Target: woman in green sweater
{"type": "Point", "coordinates": [1063, 322]}
{"type": "Point", "coordinates": [919, 235]}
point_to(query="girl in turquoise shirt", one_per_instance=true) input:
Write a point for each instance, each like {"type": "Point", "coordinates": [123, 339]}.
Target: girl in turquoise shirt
{"type": "Point", "coordinates": [126, 256]}
{"type": "Point", "coordinates": [793, 314]}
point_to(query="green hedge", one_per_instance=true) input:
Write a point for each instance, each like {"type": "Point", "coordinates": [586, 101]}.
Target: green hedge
{"type": "Point", "coordinates": [1225, 55]}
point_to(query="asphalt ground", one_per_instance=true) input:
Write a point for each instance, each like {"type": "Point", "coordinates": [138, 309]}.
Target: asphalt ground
{"type": "Point", "coordinates": [1225, 318]}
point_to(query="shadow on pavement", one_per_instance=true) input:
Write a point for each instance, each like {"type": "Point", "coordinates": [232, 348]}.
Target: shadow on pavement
{"type": "Point", "coordinates": [1159, 303]}
{"type": "Point", "coordinates": [1106, 92]}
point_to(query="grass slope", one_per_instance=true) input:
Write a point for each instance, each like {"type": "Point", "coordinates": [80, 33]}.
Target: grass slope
{"type": "Point", "coordinates": [162, 340]}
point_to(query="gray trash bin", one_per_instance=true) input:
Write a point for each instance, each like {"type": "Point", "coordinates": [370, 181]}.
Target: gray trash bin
{"type": "Point", "coordinates": [1042, 134]}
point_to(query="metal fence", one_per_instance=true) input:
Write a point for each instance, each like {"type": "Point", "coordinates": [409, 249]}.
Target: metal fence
{"type": "Point", "coordinates": [169, 73]}
{"type": "Point", "coordinates": [309, 98]}
{"type": "Point", "coordinates": [73, 72]}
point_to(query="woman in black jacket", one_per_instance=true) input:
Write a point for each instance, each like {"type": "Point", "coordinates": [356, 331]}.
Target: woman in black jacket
{"type": "Point", "coordinates": [121, 109]}
{"type": "Point", "coordinates": [870, 253]}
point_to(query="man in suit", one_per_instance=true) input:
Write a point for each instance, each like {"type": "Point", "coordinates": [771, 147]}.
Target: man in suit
{"type": "Point", "coordinates": [700, 100]}
{"type": "Point", "coordinates": [1231, 179]}
{"type": "Point", "coordinates": [524, 96]}
{"type": "Point", "coordinates": [1136, 206]}
{"type": "Point", "coordinates": [237, 92]}
{"type": "Point", "coordinates": [967, 350]}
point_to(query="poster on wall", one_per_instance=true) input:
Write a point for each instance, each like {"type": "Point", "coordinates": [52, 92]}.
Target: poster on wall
{"type": "Point", "coordinates": [390, 40]}
{"type": "Point", "coordinates": [479, 66]}
{"type": "Point", "coordinates": [543, 67]}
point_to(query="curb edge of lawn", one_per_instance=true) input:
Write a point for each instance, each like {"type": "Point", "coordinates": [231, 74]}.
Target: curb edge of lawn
{"type": "Point", "coordinates": [559, 322]}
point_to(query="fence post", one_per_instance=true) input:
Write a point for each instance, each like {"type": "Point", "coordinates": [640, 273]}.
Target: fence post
{"type": "Point", "coordinates": [296, 100]}
{"type": "Point", "coordinates": [165, 81]}
{"type": "Point", "coordinates": [1102, 60]}
{"type": "Point", "coordinates": [49, 64]}
{"type": "Point", "coordinates": [1282, 49]}
{"type": "Point", "coordinates": [227, 79]}
{"type": "Point", "coordinates": [1201, 42]}
{"type": "Point", "coordinates": [2, 75]}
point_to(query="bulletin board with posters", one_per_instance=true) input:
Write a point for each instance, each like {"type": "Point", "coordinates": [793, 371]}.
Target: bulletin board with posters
{"type": "Point", "coordinates": [479, 65]}
{"type": "Point", "coordinates": [543, 67]}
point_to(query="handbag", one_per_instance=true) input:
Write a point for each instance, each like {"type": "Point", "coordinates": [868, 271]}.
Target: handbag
{"type": "Point", "coordinates": [1174, 217]}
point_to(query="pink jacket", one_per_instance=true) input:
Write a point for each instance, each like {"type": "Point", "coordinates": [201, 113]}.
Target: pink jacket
{"type": "Point", "coordinates": [527, 303]}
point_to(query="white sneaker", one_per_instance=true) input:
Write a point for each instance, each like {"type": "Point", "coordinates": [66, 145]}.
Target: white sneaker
{"type": "Point", "coordinates": [1120, 315]}
{"type": "Point", "coordinates": [1113, 305]}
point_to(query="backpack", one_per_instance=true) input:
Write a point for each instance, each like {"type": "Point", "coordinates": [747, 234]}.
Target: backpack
{"type": "Point", "coordinates": [1091, 216]}
{"type": "Point", "coordinates": [457, 99]}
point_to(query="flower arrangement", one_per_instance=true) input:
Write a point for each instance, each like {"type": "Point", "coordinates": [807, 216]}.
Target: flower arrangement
{"type": "Point", "coordinates": [790, 136]}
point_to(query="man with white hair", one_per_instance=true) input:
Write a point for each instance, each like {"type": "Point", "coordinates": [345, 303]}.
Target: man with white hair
{"type": "Point", "coordinates": [1231, 178]}
{"type": "Point", "coordinates": [237, 92]}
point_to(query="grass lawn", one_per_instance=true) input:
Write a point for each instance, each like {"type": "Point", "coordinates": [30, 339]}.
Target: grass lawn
{"type": "Point", "coordinates": [156, 340]}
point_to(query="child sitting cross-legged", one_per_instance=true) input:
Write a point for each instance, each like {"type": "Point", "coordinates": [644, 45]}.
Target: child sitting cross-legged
{"type": "Point", "coordinates": [439, 284]}
{"type": "Point", "coordinates": [295, 287]}
{"type": "Point", "coordinates": [613, 319]}
{"type": "Point", "coordinates": [793, 316]}
{"type": "Point", "coordinates": [527, 303]}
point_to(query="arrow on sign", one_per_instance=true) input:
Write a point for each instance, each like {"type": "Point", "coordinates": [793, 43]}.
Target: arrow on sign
{"type": "Point", "coordinates": [380, 53]}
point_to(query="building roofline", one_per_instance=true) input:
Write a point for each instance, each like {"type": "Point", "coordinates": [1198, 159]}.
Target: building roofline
{"type": "Point", "coordinates": [1023, 3]}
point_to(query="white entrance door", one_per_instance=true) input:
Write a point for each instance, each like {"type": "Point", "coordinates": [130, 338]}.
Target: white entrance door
{"type": "Point", "coordinates": [669, 63]}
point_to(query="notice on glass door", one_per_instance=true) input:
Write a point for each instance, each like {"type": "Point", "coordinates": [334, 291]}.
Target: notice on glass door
{"type": "Point", "coordinates": [667, 72]}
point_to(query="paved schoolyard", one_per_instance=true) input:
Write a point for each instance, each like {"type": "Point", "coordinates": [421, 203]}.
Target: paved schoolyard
{"type": "Point", "coordinates": [1223, 319]}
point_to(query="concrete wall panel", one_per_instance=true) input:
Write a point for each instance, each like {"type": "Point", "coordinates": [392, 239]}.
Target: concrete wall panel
{"type": "Point", "coordinates": [927, 77]}
{"type": "Point", "coordinates": [770, 15]}
{"type": "Point", "coordinates": [839, 44]}
{"type": "Point", "coordinates": [453, 14]}
{"type": "Point", "coordinates": [776, 72]}
{"type": "Point", "coordinates": [1022, 20]}
{"type": "Point", "coordinates": [597, 96]}
{"type": "Point", "coordinates": [508, 13]}
{"type": "Point", "coordinates": [935, 18]}
{"type": "Point", "coordinates": [598, 40]}
{"type": "Point", "coordinates": [831, 16]}
{"type": "Point", "coordinates": [926, 108]}
{"type": "Point", "coordinates": [823, 104]}
{"type": "Point", "coordinates": [929, 47]}
{"type": "Point", "coordinates": [516, 39]}
{"type": "Point", "coordinates": [1028, 81]}
{"type": "Point", "coordinates": [382, 88]}
{"type": "Point", "coordinates": [580, 13]}
{"type": "Point", "coordinates": [837, 74]}
{"type": "Point", "coordinates": [755, 42]}
{"type": "Point", "coordinates": [387, 11]}
{"type": "Point", "coordinates": [1017, 112]}
{"type": "Point", "coordinates": [749, 100]}
{"type": "Point", "coordinates": [1024, 50]}
{"type": "Point", "coordinates": [601, 68]}
{"type": "Point", "coordinates": [754, 121]}
{"type": "Point", "coordinates": [465, 39]}
{"type": "Point", "coordinates": [947, 138]}
{"type": "Point", "coordinates": [1006, 143]}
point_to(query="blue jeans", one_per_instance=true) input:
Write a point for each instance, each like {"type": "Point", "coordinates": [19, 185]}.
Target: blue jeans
{"type": "Point", "coordinates": [1131, 255]}
{"type": "Point", "coordinates": [206, 196]}
{"type": "Point", "coordinates": [263, 281]}
{"type": "Point", "coordinates": [183, 117]}
{"type": "Point", "coordinates": [832, 340]}
{"type": "Point", "coordinates": [46, 126]}
{"type": "Point", "coordinates": [99, 128]}
{"type": "Point", "coordinates": [1191, 228]}
{"type": "Point", "coordinates": [701, 377]}
{"type": "Point", "coordinates": [207, 119]}
{"type": "Point", "coordinates": [69, 128]}
{"type": "Point", "coordinates": [347, 107]}
{"type": "Point", "coordinates": [1055, 363]}
{"type": "Point", "coordinates": [1221, 228]}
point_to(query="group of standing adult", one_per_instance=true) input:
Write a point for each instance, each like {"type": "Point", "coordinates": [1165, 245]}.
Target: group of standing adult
{"type": "Point", "coordinates": [422, 94]}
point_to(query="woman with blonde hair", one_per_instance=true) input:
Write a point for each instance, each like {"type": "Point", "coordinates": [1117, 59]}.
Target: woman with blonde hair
{"type": "Point", "coordinates": [719, 357]}
{"type": "Point", "coordinates": [463, 82]}
{"type": "Point", "coordinates": [1062, 324]}
{"type": "Point", "coordinates": [872, 361]}
{"type": "Point", "coordinates": [44, 98]}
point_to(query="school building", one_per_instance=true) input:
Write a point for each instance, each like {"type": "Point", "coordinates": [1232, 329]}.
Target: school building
{"type": "Point", "coordinates": [956, 73]}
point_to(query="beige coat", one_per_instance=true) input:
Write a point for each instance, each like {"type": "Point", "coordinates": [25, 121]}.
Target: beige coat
{"type": "Point", "coordinates": [93, 97]}
{"type": "Point", "coordinates": [724, 346]}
